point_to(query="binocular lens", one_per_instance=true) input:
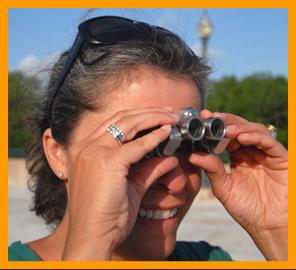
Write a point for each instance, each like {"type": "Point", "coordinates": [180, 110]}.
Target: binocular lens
{"type": "Point", "coordinates": [215, 129]}
{"type": "Point", "coordinates": [196, 129]}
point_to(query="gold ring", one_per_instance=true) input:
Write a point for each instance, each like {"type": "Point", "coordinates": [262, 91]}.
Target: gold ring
{"type": "Point", "coordinates": [273, 130]}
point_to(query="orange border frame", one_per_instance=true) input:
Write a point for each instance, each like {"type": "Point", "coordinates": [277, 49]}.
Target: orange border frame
{"type": "Point", "coordinates": [5, 5]}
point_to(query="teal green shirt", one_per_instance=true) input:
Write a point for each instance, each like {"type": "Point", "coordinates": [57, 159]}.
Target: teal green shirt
{"type": "Point", "coordinates": [198, 251]}
{"type": "Point", "coordinates": [20, 252]}
{"type": "Point", "coordinates": [184, 251]}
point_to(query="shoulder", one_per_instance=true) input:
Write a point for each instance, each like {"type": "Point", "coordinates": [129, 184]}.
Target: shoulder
{"type": "Point", "coordinates": [17, 251]}
{"type": "Point", "coordinates": [198, 251]}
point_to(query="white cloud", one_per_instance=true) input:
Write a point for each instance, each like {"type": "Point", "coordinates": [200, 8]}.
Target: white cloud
{"type": "Point", "coordinates": [39, 67]}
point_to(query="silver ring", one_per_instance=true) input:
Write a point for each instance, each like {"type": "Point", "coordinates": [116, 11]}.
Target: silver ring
{"type": "Point", "coordinates": [273, 130]}
{"type": "Point", "coordinates": [117, 133]}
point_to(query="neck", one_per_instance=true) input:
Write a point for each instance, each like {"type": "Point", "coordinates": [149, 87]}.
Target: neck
{"type": "Point", "coordinates": [51, 247]}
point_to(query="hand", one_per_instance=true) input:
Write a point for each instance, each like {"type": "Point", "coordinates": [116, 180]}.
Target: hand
{"type": "Point", "coordinates": [255, 192]}
{"type": "Point", "coordinates": [104, 199]}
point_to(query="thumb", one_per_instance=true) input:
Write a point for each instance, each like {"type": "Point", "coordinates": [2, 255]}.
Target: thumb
{"type": "Point", "coordinates": [147, 172]}
{"type": "Point", "coordinates": [215, 170]}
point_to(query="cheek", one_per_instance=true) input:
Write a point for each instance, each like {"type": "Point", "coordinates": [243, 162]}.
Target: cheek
{"type": "Point", "coordinates": [193, 183]}
{"type": "Point", "coordinates": [193, 175]}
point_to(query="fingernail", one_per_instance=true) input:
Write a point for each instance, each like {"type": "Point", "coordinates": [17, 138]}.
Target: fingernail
{"type": "Point", "coordinates": [206, 110]}
{"type": "Point", "coordinates": [168, 108]}
{"type": "Point", "coordinates": [167, 127]}
{"type": "Point", "coordinates": [221, 115]}
{"type": "Point", "coordinates": [176, 116]}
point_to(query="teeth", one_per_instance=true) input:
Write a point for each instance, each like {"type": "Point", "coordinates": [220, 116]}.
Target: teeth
{"type": "Point", "coordinates": [157, 214]}
{"type": "Point", "coordinates": [173, 213]}
{"type": "Point", "coordinates": [167, 214]}
{"type": "Point", "coordinates": [142, 213]}
{"type": "Point", "coordinates": [149, 214]}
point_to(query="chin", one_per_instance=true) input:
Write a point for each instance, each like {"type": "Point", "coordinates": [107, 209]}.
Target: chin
{"type": "Point", "coordinates": [150, 240]}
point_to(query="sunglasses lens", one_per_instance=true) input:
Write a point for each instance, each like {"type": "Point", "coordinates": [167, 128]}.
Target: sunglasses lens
{"type": "Point", "coordinates": [113, 30]}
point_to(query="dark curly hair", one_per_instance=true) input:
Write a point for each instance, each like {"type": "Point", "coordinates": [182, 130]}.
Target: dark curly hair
{"type": "Point", "coordinates": [96, 70]}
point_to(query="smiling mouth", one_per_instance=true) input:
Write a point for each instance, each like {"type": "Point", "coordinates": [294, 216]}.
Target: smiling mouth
{"type": "Point", "coordinates": [157, 214]}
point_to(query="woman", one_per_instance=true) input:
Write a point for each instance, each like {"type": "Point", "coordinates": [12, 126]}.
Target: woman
{"type": "Point", "coordinates": [92, 177]}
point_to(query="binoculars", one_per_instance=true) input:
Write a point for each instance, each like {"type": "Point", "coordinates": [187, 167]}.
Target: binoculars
{"type": "Point", "coordinates": [193, 134]}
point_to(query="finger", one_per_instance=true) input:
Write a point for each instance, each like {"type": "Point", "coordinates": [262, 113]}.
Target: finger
{"type": "Point", "coordinates": [135, 150]}
{"type": "Point", "coordinates": [147, 172]}
{"type": "Point", "coordinates": [234, 130]}
{"type": "Point", "coordinates": [215, 171]}
{"type": "Point", "coordinates": [229, 118]}
{"type": "Point", "coordinates": [205, 113]}
{"type": "Point", "coordinates": [233, 146]}
{"type": "Point", "coordinates": [262, 141]}
{"type": "Point", "coordinates": [120, 114]}
{"type": "Point", "coordinates": [132, 124]}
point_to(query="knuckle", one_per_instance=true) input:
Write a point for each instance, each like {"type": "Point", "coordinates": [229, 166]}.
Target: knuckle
{"type": "Point", "coordinates": [120, 114]}
{"type": "Point", "coordinates": [133, 132]}
{"type": "Point", "coordinates": [143, 144]}
{"type": "Point", "coordinates": [132, 120]}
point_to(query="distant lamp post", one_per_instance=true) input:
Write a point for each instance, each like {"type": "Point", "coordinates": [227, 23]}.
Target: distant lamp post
{"type": "Point", "coordinates": [205, 29]}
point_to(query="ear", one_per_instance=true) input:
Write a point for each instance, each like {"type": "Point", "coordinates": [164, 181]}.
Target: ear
{"type": "Point", "coordinates": [55, 154]}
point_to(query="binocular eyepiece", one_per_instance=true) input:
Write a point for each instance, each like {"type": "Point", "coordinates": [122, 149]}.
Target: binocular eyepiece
{"type": "Point", "coordinates": [195, 129]}
{"type": "Point", "coordinates": [193, 134]}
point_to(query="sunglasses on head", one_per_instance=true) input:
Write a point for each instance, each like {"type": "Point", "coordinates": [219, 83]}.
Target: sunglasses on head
{"type": "Point", "coordinates": [103, 31]}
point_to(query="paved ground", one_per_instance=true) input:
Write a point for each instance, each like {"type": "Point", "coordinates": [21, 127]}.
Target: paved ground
{"type": "Point", "coordinates": [207, 220]}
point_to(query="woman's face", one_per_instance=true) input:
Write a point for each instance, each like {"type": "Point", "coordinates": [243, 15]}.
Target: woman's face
{"type": "Point", "coordinates": [152, 238]}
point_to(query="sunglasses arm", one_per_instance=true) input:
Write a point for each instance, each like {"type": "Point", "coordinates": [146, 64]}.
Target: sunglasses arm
{"type": "Point", "coordinates": [74, 52]}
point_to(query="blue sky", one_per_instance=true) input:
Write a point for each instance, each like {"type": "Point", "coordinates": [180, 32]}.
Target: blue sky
{"type": "Point", "coordinates": [244, 41]}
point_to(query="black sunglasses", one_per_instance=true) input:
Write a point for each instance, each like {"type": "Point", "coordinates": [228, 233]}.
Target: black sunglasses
{"type": "Point", "coordinates": [103, 31]}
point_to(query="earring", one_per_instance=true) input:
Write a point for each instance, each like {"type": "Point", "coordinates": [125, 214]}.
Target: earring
{"type": "Point", "coordinates": [60, 175]}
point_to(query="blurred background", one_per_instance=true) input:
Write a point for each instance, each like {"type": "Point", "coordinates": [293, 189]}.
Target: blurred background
{"type": "Point", "coordinates": [246, 48]}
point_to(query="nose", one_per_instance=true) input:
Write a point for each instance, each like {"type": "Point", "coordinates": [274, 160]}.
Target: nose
{"type": "Point", "coordinates": [174, 181]}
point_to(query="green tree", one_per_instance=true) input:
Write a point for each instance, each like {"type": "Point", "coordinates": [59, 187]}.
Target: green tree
{"type": "Point", "coordinates": [21, 100]}
{"type": "Point", "coordinates": [259, 98]}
